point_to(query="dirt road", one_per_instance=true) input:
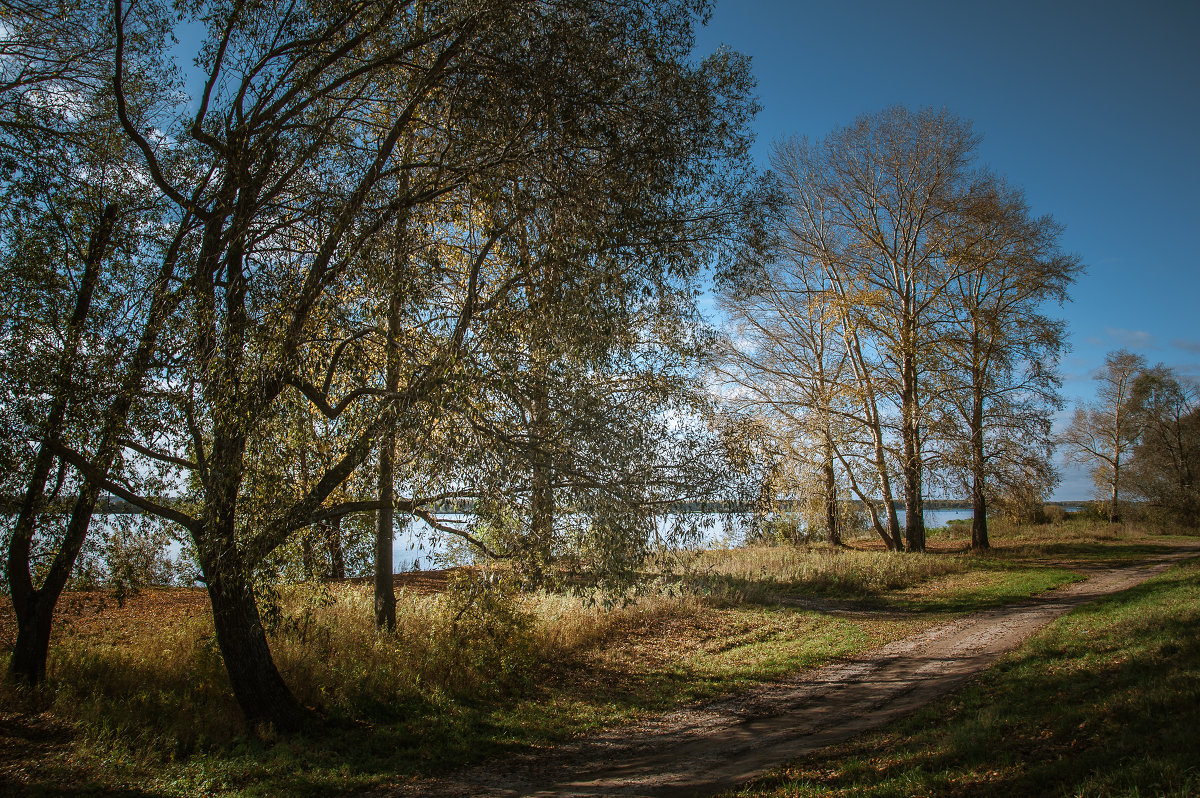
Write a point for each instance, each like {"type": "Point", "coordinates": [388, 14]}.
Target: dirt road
{"type": "Point", "coordinates": [704, 749]}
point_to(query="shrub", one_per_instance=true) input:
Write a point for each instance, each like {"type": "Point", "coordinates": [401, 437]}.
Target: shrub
{"type": "Point", "coordinates": [1053, 514]}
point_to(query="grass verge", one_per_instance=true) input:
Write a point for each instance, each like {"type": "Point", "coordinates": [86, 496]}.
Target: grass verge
{"type": "Point", "coordinates": [150, 712]}
{"type": "Point", "coordinates": [1105, 701]}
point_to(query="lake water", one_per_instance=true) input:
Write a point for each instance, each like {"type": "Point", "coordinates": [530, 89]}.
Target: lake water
{"type": "Point", "coordinates": [418, 547]}
{"type": "Point", "coordinates": [939, 518]}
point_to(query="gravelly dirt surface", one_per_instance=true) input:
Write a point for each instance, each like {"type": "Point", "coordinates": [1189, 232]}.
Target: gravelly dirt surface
{"type": "Point", "coordinates": [704, 749]}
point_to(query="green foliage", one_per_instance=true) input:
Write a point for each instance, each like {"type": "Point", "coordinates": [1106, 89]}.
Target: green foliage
{"type": "Point", "coordinates": [802, 522]}
{"type": "Point", "coordinates": [460, 238]}
{"type": "Point", "coordinates": [1165, 467]}
{"type": "Point", "coordinates": [489, 636]}
{"type": "Point", "coordinates": [780, 527]}
{"type": "Point", "coordinates": [1053, 514]}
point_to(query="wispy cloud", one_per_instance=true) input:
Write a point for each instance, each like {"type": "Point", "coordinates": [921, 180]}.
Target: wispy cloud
{"type": "Point", "coordinates": [1188, 370]}
{"type": "Point", "coordinates": [1187, 345]}
{"type": "Point", "coordinates": [1130, 339]}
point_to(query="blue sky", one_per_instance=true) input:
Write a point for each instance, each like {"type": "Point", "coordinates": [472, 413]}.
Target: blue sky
{"type": "Point", "coordinates": [1092, 107]}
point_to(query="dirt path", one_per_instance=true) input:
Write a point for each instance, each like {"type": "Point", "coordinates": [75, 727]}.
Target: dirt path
{"type": "Point", "coordinates": [705, 749]}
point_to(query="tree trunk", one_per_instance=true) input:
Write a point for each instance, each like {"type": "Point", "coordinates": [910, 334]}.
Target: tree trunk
{"type": "Point", "coordinates": [914, 506]}
{"type": "Point", "coordinates": [914, 510]}
{"type": "Point", "coordinates": [35, 610]}
{"type": "Point", "coordinates": [893, 540]}
{"type": "Point", "coordinates": [867, 501]}
{"type": "Point", "coordinates": [234, 405]}
{"type": "Point", "coordinates": [259, 689]}
{"type": "Point", "coordinates": [256, 683]}
{"type": "Point", "coordinates": [333, 539]}
{"type": "Point", "coordinates": [979, 532]}
{"type": "Point", "coordinates": [1113, 514]}
{"type": "Point", "coordinates": [385, 592]}
{"type": "Point", "coordinates": [541, 499]}
{"type": "Point", "coordinates": [307, 558]}
{"type": "Point", "coordinates": [832, 531]}
{"type": "Point", "coordinates": [34, 620]}
{"type": "Point", "coordinates": [871, 414]}
{"type": "Point", "coordinates": [34, 607]}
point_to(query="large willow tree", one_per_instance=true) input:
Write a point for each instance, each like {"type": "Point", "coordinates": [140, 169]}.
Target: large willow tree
{"type": "Point", "coordinates": [346, 208]}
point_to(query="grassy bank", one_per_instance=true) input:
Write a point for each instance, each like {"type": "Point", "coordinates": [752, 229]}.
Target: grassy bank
{"type": "Point", "coordinates": [1105, 701]}
{"type": "Point", "coordinates": [140, 702]}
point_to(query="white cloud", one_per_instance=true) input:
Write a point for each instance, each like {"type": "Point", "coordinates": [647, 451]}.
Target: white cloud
{"type": "Point", "coordinates": [1130, 339]}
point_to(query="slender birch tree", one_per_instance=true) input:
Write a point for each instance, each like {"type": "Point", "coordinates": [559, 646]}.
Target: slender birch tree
{"type": "Point", "coordinates": [1000, 350]}
{"type": "Point", "coordinates": [1102, 433]}
{"type": "Point", "coordinates": [872, 200]}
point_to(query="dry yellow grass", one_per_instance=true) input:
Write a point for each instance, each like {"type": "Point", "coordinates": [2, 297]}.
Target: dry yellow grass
{"type": "Point", "coordinates": [158, 685]}
{"type": "Point", "coordinates": [751, 572]}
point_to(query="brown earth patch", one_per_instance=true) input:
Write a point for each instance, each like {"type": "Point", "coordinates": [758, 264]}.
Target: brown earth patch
{"type": "Point", "coordinates": [116, 617]}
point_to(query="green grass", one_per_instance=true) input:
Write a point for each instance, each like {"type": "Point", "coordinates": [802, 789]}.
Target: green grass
{"type": "Point", "coordinates": [990, 583]}
{"type": "Point", "coordinates": [1104, 702]}
{"type": "Point", "coordinates": [154, 714]}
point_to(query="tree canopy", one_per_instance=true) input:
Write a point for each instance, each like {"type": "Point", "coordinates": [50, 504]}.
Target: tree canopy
{"type": "Point", "coordinates": [895, 318]}
{"type": "Point", "coordinates": [387, 255]}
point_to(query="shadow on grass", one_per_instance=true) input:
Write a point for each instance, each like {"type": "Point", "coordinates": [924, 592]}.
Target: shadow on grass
{"type": "Point", "coordinates": [413, 737]}
{"type": "Point", "coordinates": [55, 789]}
{"type": "Point", "coordinates": [991, 582]}
{"type": "Point", "coordinates": [1081, 553]}
{"type": "Point", "coordinates": [338, 755]}
{"type": "Point", "coordinates": [1106, 701]}
{"type": "Point", "coordinates": [342, 758]}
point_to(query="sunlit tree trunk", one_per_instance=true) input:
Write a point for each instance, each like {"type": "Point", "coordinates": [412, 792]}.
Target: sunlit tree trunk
{"type": "Point", "coordinates": [891, 534]}
{"type": "Point", "coordinates": [1118, 448]}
